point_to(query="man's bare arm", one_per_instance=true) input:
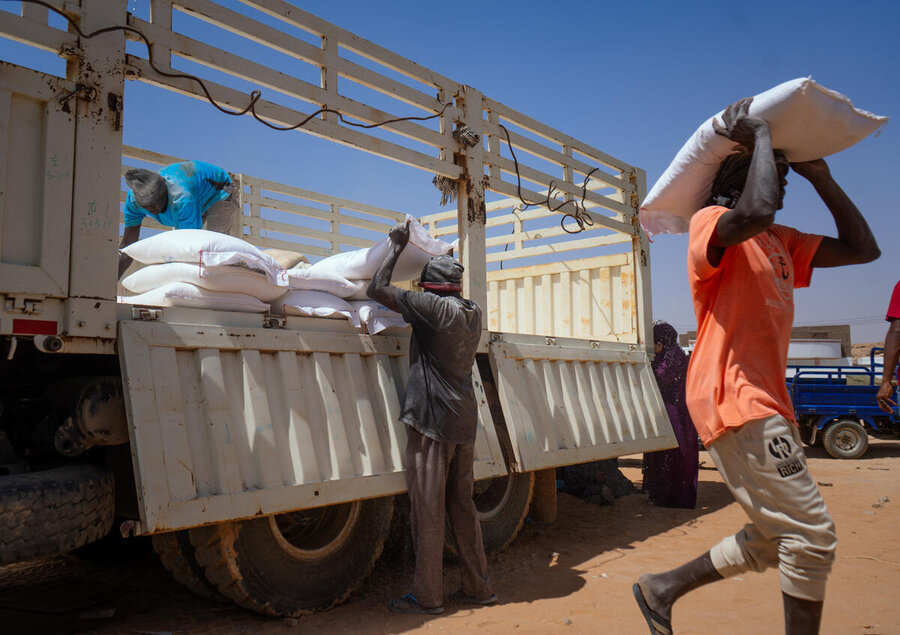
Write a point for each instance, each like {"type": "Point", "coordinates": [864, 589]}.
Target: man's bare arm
{"type": "Point", "coordinates": [891, 356]}
{"type": "Point", "coordinates": [855, 244]}
{"type": "Point", "coordinates": [129, 236]}
{"type": "Point", "coordinates": [380, 288]}
{"type": "Point", "coordinates": [755, 210]}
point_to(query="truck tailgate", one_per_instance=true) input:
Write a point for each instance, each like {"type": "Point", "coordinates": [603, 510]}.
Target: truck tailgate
{"type": "Point", "coordinates": [575, 402]}
{"type": "Point", "coordinates": [235, 422]}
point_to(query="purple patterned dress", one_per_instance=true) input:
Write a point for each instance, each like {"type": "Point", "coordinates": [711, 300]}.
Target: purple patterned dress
{"type": "Point", "coordinates": [670, 476]}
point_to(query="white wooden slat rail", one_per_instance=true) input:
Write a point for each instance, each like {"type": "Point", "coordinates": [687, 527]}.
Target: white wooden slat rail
{"type": "Point", "coordinates": [612, 188]}
{"type": "Point", "coordinates": [31, 27]}
{"type": "Point", "coordinates": [235, 422]}
{"type": "Point", "coordinates": [345, 62]}
{"type": "Point", "coordinates": [326, 59]}
{"type": "Point", "coordinates": [593, 298]}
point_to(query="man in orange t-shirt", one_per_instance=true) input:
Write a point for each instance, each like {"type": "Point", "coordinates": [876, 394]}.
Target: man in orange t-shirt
{"type": "Point", "coordinates": [742, 270]}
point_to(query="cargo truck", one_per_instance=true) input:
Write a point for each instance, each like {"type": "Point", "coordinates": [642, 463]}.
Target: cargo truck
{"type": "Point", "coordinates": [263, 453]}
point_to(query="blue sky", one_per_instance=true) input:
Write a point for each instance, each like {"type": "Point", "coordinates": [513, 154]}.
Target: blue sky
{"type": "Point", "coordinates": [633, 79]}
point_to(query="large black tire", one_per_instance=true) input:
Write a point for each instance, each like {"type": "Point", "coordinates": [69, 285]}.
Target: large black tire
{"type": "Point", "coordinates": [114, 547]}
{"type": "Point", "coordinates": [176, 553]}
{"type": "Point", "coordinates": [54, 511]}
{"type": "Point", "coordinates": [502, 504]}
{"type": "Point", "coordinates": [295, 563]}
{"type": "Point", "coordinates": [846, 439]}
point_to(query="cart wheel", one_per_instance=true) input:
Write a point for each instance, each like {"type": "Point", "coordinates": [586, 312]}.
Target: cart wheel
{"type": "Point", "coordinates": [846, 439]}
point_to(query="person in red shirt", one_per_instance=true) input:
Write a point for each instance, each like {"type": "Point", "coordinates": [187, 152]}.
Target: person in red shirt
{"type": "Point", "coordinates": [891, 353]}
{"type": "Point", "coordinates": [742, 270]}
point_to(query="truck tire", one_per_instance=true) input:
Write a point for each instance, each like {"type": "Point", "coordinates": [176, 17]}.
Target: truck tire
{"type": "Point", "coordinates": [54, 511]}
{"type": "Point", "coordinates": [846, 439]}
{"type": "Point", "coordinates": [502, 504]}
{"type": "Point", "coordinates": [176, 553]}
{"type": "Point", "coordinates": [295, 563]}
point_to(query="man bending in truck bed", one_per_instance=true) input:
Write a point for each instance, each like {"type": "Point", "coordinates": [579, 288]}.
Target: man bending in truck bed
{"type": "Point", "coordinates": [184, 195]}
{"type": "Point", "coordinates": [441, 415]}
{"type": "Point", "coordinates": [743, 269]}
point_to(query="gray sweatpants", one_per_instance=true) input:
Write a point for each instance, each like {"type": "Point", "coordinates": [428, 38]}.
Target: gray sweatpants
{"type": "Point", "coordinates": [219, 217]}
{"type": "Point", "coordinates": [763, 465]}
{"type": "Point", "coordinates": [440, 480]}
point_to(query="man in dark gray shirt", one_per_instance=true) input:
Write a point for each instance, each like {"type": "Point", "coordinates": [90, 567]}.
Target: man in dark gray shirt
{"type": "Point", "coordinates": [441, 413]}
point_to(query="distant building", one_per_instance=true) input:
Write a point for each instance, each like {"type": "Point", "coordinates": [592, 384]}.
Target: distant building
{"type": "Point", "coordinates": [810, 345]}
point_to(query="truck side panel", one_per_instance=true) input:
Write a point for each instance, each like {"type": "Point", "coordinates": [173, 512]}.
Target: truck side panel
{"type": "Point", "coordinates": [37, 132]}
{"type": "Point", "coordinates": [567, 403]}
{"type": "Point", "coordinates": [230, 422]}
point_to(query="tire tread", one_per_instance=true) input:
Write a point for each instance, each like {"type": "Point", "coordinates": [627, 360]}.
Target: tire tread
{"type": "Point", "coordinates": [216, 553]}
{"type": "Point", "coordinates": [181, 562]}
{"type": "Point", "coordinates": [54, 511]}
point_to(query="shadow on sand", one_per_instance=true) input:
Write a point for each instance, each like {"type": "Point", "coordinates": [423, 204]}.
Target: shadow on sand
{"type": "Point", "coordinates": [64, 595]}
{"type": "Point", "coordinates": [556, 553]}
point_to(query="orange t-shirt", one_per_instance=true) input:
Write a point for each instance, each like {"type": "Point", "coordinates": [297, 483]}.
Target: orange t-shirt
{"type": "Point", "coordinates": [745, 310]}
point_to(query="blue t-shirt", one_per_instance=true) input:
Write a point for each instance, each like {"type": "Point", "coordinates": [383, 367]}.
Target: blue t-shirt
{"type": "Point", "coordinates": [193, 187]}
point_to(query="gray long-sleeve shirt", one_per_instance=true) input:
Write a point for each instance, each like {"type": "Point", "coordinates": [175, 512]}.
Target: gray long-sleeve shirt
{"type": "Point", "coordinates": [440, 399]}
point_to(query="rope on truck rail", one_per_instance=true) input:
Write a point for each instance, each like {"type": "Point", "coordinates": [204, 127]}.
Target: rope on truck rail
{"type": "Point", "coordinates": [254, 95]}
{"type": "Point", "coordinates": [577, 213]}
{"type": "Point", "coordinates": [578, 209]}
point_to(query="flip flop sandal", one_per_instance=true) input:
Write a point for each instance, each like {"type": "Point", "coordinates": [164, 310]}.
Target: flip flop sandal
{"type": "Point", "coordinates": [657, 623]}
{"type": "Point", "coordinates": [462, 598]}
{"type": "Point", "coordinates": [409, 605]}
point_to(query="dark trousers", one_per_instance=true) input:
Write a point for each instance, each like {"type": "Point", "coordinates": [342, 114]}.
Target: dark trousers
{"type": "Point", "coordinates": [440, 480]}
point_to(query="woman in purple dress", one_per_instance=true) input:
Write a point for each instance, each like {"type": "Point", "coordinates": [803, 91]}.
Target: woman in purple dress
{"type": "Point", "coordinates": [670, 476]}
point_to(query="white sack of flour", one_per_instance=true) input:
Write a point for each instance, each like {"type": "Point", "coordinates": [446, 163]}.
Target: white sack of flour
{"type": "Point", "coordinates": [183, 294]}
{"type": "Point", "coordinates": [363, 263]}
{"type": "Point", "coordinates": [226, 278]}
{"type": "Point", "coordinates": [807, 121]}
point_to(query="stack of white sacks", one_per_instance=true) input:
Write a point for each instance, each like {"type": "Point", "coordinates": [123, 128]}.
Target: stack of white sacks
{"type": "Point", "coordinates": [202, 269]}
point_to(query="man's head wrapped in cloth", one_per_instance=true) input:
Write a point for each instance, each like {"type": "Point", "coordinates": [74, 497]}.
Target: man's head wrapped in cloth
{"type": "Point", "coordinates": [149, 189]}
{"type": "Point", "coordinates": [442, 275]}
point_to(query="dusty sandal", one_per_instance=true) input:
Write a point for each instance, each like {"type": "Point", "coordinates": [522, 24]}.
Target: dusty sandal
{"type": "Point", "coordinates": [462, 598]}
{"type": "Point", "coordinates": [657, 623]}
{"type": "Point", "coordinates": [410, 605]}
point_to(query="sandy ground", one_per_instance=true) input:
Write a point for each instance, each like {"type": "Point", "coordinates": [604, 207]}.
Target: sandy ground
{"type": "Point", "coordinates": [863, 349]}
{"type": "Point", "coordinates": [574, 575]}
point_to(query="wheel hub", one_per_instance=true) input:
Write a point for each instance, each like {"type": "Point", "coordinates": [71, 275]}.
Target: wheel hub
{"type": "Point", "coordinates": [846, 440]}
{"type": "Point", "coordinates": [314, 533]}
{"type": "Point", "coordinates": [492, 497]}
